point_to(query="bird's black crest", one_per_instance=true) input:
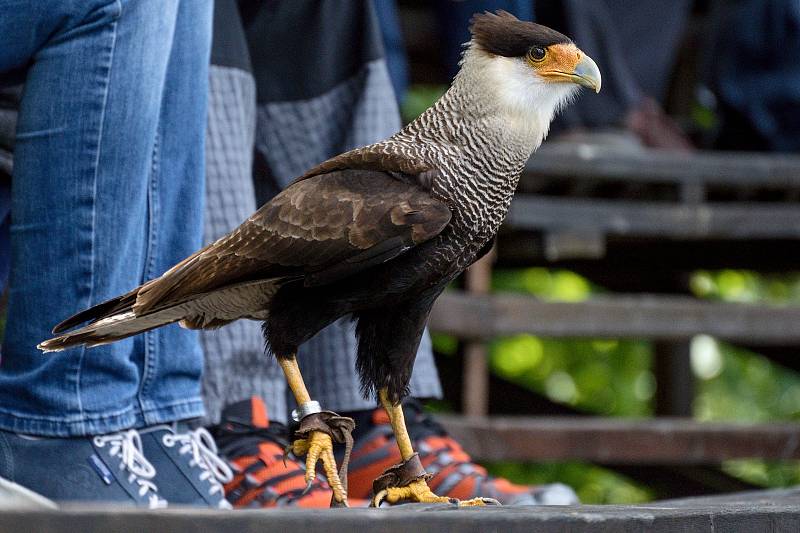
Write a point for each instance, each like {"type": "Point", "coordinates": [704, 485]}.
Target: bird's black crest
{"type": "Point", "coordinates": [503, 34]}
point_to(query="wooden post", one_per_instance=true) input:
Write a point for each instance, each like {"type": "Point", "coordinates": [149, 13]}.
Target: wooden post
{"type": "Point", "coordinates": [475, 396]}
{"type": "Point", "coordinates": [674, 380]}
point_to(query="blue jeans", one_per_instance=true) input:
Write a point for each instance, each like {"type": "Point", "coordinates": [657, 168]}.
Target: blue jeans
{"type": "Point", "coordinates": [5, 222]}
{"type": "Point", "coordinates": [107, 192]}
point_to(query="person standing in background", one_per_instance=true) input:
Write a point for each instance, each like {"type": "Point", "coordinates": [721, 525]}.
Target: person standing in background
{"type": "Point", "coordinates": [304, 81]}
{"type": "Point", "coordinates": [107, 192]}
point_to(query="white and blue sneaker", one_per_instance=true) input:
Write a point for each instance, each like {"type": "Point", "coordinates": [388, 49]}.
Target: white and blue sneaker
{"type": "Point", "coordinates": [189, 470]}
{"type": "Point", "coordinates": [106, 468]}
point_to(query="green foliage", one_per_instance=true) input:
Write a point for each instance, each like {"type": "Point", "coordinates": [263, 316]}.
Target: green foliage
{"type": "Point", "coordinates": [745, 286]}
{"type": "Point", "coordinates": [603, 377]}
{"type": "Point", "coordinates": [419, 98]}
{"type": "Point", "coordinates": [610, 377]}
{"type": "Point", "coordinates": [738, 385]}
{"type": "Point", "coordinates": [614, 377]}
{"type": "Point", "coordinates": [704, 118]}
{"type": "Point", "coordinates": [592, 483]}
{"type": "Point", "coordinates": [444, 344]}
{"type": "Point", "coordinates": [552, 285]}
{"type": "Point", "coordinates": [742, 386]}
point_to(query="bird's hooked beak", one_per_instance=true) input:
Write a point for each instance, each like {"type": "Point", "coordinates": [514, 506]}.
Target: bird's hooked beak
{"type": "Point", "coordinates": [587, 74]}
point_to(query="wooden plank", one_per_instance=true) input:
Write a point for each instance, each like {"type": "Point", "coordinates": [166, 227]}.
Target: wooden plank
{"type": "Point", "coordinates": [749, 497]}
{"type": "Point", "coordinates": [593, 162]}
{"type": "Point", "coordinates": [661, 441]}
{"type": "Point", "coordinates": [631, 316]}
{"type": "Point", "coordinates": [475, 374]}
{"type": "Point", "coordinates": [475, 397]}
{"type": "Point", "coordinates": [572, 245]}
{"type": "Point", "coordinates": [655, 219]}
{"type": "Point", "coordinates": [642, 256]}
{"type": "Point", "coordinates": [770, 512]}
{"type": "Point", "coordinates": [678, 481]}
{"type": "Point", "coordinates": [674, 378]}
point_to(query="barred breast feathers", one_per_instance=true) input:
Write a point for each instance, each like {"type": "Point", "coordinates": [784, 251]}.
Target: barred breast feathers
{"type": "Point", "coordinates": [472, 144]}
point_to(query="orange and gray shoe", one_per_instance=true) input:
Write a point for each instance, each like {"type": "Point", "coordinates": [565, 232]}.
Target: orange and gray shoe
{"type": "Point", "coordinates": [254, 448]}
{"type": "Point", "coordinates": [455, 475]}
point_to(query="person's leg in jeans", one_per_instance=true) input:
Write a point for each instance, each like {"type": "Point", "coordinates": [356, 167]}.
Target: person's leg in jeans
{"type": "Point", "coordinates": [170, 378]}
{"type": "Point", "coordinates": [9, 96]}
{"type": "Point", "coordinates": [173, 358]}
{"type": "Point", "coordinates": [104, 194]}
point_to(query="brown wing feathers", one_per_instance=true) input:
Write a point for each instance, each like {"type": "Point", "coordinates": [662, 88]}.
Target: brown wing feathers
{"type": "Point", "coordinates": [381, 157]}
{"type": "Point", "coordinates": [321, 228]}
{"type": "Point", "coordinates": [312, 225]}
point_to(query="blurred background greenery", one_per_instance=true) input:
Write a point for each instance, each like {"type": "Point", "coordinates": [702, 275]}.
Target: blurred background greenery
{"type": "Point", "coordinates": [615, 378]}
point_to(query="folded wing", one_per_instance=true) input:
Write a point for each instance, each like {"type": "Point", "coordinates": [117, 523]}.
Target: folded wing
{"type": "Point", "coordinates": [318, 230]}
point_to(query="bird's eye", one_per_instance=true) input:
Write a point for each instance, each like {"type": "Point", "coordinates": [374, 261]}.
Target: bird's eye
{"type": "Point", "coordinates": [537, 53]}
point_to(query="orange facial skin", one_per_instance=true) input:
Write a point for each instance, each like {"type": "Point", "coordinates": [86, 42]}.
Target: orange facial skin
{"type": "Point", "coordinates": [560, 60]}
{"type": "Point", "coordinates": [566, 63]}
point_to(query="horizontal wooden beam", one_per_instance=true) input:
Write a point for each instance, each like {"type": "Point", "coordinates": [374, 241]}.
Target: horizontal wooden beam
{"type": "Point", "coordinates": [631, 316]}
{"type": "Point", "coordinates": [594, 162]}
{"type": "Point", "coordinates": [655, 219]}
{"type": "Point", "coordinates": [760, 511]}
{"type": "Point", "coordinates": [661, 441]}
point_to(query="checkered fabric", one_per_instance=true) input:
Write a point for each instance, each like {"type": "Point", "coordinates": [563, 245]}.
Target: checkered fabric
{"type": "Point", "coordinates": [290, 137]}
{"type": "Point", "coordinates": [235, 364]}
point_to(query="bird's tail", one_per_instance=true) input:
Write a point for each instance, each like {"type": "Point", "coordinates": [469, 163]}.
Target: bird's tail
{"type": "Point", "coordinates": [110, 321]}
{"type": "Point", "coordinates": [122, 317]}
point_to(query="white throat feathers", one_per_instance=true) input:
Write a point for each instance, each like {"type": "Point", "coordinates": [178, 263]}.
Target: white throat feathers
{"type": "Point", "coordinates": [525, 101]}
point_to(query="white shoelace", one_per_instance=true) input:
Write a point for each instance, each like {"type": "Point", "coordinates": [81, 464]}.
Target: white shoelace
{"type": "Point", "coordinates": [201, 445]}
{"type": "Point", "coordinates": [127, 446]}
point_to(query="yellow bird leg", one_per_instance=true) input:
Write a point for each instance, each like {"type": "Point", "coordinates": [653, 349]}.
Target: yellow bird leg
{"type": "Point", "coordinates": [398, 422]}
{"type": "Point", "coordinates": [295, 379]}
{"type": "Point", "coordinates": [417, 490]}
{"type": "Point", "coordinates": [319, 445]}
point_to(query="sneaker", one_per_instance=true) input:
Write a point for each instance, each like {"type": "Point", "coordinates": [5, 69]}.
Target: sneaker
{"type": "Point", "coordinates": [455, 475]}
{"type": "Point", "coordinates": [189, 470]}
{"type": "Point", "coordinates": [106, 468]}
{"type": "Point", "coordinates": [254, 446]}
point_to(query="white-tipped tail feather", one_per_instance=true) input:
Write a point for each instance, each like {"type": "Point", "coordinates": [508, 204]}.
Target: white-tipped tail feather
{"type": "Point", "coordinates": [110, 329]}
{"type": "Point", "coordinates": [205, 311]}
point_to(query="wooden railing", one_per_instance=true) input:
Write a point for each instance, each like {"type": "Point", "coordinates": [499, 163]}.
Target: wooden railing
{"type": "Point", "coordinates": [710, 205]}
{"type": "Point", "coordinates": [661, 441]}
{"type": "Point", "coordinates": [482, 317]}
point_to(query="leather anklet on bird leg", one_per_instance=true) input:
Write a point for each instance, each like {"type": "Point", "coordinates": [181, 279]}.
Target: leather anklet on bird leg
{"type": "Point", "coordinates": [408, 480]}
{"type": "Point", "coordinates": [339, 429]}
{"type": "Point", "coordinates": [400, 475]}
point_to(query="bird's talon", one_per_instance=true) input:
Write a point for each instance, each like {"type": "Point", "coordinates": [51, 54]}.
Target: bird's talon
{"type": "Point", "coordinates": [318, 446]}
{"type": "Point", "coordinates": [378, 498]}
{"type": "Point", "coordinates": [478, 502]}
{"type": "Point", "coordinates": [286, 451]}
{"type": "Point", "coordinates": [418, 491]}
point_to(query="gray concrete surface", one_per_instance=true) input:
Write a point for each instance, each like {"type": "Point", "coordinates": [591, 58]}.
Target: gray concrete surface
{"type": "Point", "coordinates": [773, 511]}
